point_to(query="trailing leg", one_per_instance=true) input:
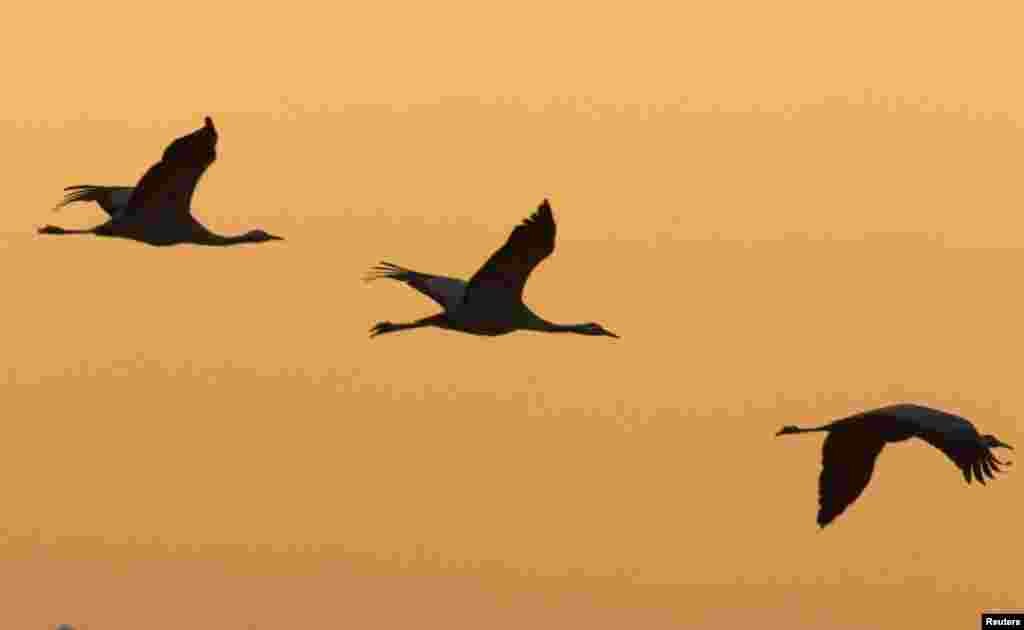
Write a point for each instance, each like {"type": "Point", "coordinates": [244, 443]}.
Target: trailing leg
{"type": "Point", "coordinates": [381, 328]}
{"type": "Point", "coordinates": [53, 229]}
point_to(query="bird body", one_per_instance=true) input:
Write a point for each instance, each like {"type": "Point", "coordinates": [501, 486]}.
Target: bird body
{"type": "Point", "coordinates": [493, 319]}
{"type": "Point", "coordinates": [491, 302]}
{"type": "Point", "coordinates": [158, 209]}
{"type": "Point", "coordinates": [853, 444]}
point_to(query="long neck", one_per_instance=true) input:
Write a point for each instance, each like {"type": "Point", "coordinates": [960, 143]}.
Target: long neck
{"type": "Point", "coordinates": [216, 240]}
{"type": "Point", "coordinates": [202, 235]}
{"type": "Point", "coordinates": [536, 322]}
{"type": "Point", "coordinates": [565, 328]}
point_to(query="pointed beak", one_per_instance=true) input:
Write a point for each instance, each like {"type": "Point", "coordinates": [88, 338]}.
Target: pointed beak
{"type": "Point", "coordinates": [780, 432]}
{"type": "Point", "coordinates": [611, 334]}
{"type": "Point", "coordinates": [276, 238]}
{"type": "Point", "coordinates": [1004, 445]}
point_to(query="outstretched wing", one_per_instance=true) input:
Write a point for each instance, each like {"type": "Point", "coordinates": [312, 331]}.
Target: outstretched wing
{"type": "Point", "coordinates": [167, 187]}
{"type": "Point", "coordinates": [847, 462]}
{"type": "Point", "coordinates": [113, 199]}
{"type": "Point", "coordinates": [448, 292]}
{"type": "Point", "coordinates": [506, 271]}
{"type": "Point", "coordinates": [962, 445]}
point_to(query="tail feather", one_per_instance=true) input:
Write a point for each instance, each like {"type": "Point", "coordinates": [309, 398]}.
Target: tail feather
{"type": "Point", "coordinates": [111, 199]}
{"type": "Point", "coordinates": [82, 192]}
{"type": "Point", "coordinates": [389, 270]}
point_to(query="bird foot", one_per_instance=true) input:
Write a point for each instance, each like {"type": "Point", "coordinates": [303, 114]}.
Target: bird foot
{"type": "Point", "coordinates": [381, 328]}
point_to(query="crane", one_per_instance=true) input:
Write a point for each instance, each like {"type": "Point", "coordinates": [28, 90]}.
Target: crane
{"type": "Point", "coordinates": [853, 444]}
{"type": "Point", "coordinates": [158, 209]}
{"type": "Point", "coordinates": [491, 303]}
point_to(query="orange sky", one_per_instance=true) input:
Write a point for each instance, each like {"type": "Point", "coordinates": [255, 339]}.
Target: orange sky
{"type": "Point", "coordinates": [789, 214]}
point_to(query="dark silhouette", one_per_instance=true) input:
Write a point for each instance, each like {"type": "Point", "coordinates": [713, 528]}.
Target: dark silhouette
{"type": "Point", "coordinates": [113, 199]}
{"type": "Point", "coordinates": [491, 303]}
{"type": "Point", "coordinates": [853, 444]}
{"type": "Point", "coordinates": [158, 209]}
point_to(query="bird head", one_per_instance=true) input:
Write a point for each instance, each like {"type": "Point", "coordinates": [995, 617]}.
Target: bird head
{"type": "Point", "coordinates": [991, 441]}
{"type": "Point", "coordinates": [597, 330]}
{"type": "Point", "coordinates": [787, 430]}
{"type": "Point", "coordinates": [259, 236]}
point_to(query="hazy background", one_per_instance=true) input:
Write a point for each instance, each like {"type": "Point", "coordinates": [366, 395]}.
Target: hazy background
{"type": "Point", "coordinates": [789, 212]}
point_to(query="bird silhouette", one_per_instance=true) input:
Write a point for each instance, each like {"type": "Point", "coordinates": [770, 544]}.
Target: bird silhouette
{"type": "Point", "coordinates": [158, 209]}
{"type": "Point", "coordinates": [853, 444]}
{"type": "Point", "coordinates": [491, 303]}
{"type": "Point", "coordinates": [113, 199]}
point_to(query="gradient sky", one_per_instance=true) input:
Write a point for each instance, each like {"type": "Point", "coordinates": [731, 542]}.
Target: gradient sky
{"type": "Point", "coordinates": [789, 213]}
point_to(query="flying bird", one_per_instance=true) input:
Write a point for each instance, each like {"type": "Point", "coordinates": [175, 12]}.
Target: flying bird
{"type": "Point", "coordinates": [113, 199]}
{"type": "Point", "coordinates": [491, 303]}
{"type": "Point", "coordinates": [157, 211]}
{"type": "Point", "coordinates": [853, 444]}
